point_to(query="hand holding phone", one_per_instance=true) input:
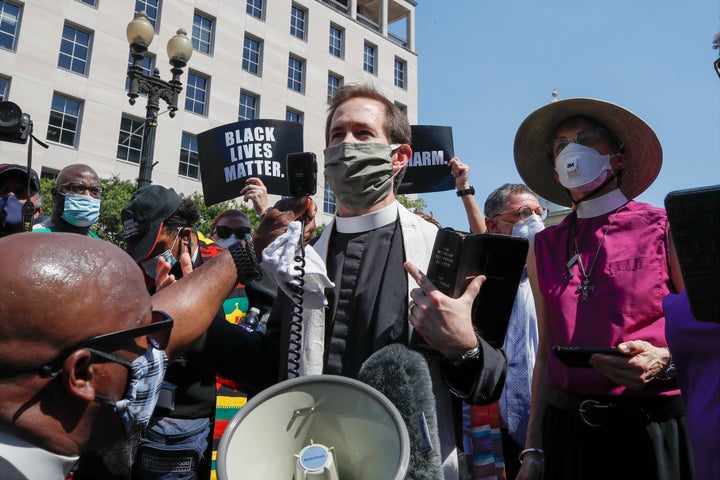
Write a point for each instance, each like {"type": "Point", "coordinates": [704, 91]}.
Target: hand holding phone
{"type": "Point", "coordinates": [579, 357]}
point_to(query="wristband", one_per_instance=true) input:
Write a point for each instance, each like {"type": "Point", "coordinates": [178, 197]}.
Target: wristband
{"type": "Point", "coordinates": [530, 450]}
{"type": "Point", "coordinates": [467, 191]}
{"type": "Point", "coordinates": [246, 263]}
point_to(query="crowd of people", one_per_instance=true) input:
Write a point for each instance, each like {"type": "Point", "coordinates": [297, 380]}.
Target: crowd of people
{"type": "Point", "coordinates": [122, 364]}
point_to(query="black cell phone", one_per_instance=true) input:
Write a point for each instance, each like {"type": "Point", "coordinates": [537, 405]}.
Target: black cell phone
{"type": "Point", "coordinates": [579, 357]}
{"type": "Point", "coordinates": [301, 171]}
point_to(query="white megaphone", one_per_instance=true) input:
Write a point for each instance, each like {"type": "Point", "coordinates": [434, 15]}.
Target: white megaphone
{"type": "Point", "coordinates": [319, 427]}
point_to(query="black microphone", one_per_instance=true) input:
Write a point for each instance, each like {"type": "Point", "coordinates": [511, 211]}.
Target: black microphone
{"type": "Point", "coordinates": [403, 376]}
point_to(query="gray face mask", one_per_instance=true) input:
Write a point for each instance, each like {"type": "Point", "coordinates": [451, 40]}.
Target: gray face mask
{"type": "Point", "coordinates": [360, 174]}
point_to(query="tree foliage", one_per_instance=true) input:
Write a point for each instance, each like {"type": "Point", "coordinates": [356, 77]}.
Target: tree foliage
{"type": "Point", "coordinates": [412, 204]}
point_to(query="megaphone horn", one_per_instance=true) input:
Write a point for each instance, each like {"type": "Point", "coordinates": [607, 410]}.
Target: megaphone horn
{"type": "Point", "coordinates": [316, 427]}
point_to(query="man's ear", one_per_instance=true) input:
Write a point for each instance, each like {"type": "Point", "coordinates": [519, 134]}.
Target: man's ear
{"type": "Point", "coordinates": [492, 225]}
{"type": "Point", "coordinates": [80, 374]}
{"type": "Point", "coordinates": [401, 157]}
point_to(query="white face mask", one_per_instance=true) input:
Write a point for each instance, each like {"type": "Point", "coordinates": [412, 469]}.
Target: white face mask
{"type": "Point", "coordinates": [581, 168]}
{"type": "Point", "coordinates": [528, 228]}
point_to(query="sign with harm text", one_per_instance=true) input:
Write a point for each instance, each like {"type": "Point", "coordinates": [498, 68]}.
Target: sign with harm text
{"type": "Point", "coordinates": [428, 169]}
{"type": "Point", "coordinates": [230, 154]}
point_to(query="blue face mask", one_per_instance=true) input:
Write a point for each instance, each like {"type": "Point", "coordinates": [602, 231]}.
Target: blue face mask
{"type": "Point", "coordinates": [81, 210]}
{"type": "Point", "coordinates": [10, 214]}
{"type": "Point", "coordinates": [150, 266]}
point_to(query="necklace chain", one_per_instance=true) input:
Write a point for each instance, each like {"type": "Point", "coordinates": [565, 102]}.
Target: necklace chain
{"type": "Point", "coordinates": [586, 287]}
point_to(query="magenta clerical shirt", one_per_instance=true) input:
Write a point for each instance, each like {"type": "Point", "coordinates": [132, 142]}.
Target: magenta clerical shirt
{"type": "Point", "coordinates": [630, 279]}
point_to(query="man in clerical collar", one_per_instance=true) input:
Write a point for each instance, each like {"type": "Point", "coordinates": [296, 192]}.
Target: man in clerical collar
{"type": "Point", "coordinates": [374, 250]}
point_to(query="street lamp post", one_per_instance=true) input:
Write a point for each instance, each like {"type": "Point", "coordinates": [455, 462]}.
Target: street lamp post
{"type": "Point", "coordinates": [140, 34]}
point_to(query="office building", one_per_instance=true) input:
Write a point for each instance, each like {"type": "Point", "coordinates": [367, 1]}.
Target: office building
{"type": "Point", "coordinates": [64, 62]}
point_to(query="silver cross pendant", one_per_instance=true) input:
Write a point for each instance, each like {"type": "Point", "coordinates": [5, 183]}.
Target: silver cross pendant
{"type": "Point", "coordinates": [585, 289]}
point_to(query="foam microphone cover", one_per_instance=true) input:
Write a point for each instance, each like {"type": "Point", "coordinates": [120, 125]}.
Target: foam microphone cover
{"type": "Point", "coordinates": [402, 375]}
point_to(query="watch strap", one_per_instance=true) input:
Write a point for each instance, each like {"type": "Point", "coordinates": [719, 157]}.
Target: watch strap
{"type": "Point", "coordinates": [467, 191]}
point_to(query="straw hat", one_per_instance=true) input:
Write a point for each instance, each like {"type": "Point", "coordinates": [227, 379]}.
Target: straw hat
{"type": "Point", "coordinates": [642, 146]}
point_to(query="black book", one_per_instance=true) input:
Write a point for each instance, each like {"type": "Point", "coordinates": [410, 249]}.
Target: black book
{"type": "Point", "coordinates": [694, 216]}
{"type": "Point", "coordinates": [458, 257]}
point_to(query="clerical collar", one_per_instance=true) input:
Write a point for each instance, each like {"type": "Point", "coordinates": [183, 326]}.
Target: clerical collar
{"type": "Point", "coordinates": [609, 202]}
{"type": "Point", "coordinates": [367, 222]}
{"type": "Point", "coordinates": [31, 460]}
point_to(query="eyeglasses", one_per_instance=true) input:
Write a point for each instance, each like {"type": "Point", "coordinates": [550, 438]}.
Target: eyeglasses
{"type": "Point", "coordinates": [80, 189]}
{"type": "Point", "coordinates": [157, 332]}
{"type": "Point", "coordinates": [587, 137]}
{"type": "Point", "coordinates": [225, 232]}
{"type": "Point", "coordinates": [524, 212]}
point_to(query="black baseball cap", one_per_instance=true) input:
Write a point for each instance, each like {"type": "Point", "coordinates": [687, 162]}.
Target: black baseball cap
{"type": "Point", "coordinates": [142, 218]}
{"type": "Point", "coordinates": [13, 169]}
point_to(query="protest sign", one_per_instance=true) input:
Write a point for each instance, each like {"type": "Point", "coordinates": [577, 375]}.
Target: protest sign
{"type": "Point", "coordinates": [234, 152]}
{"type": "Point", "coordinates": [428, 169]}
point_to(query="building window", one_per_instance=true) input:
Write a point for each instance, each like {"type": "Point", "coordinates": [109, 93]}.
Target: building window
{"type": "Point", "coordinates": [64, 123]}
{"type": "Point", "coordinates": [402, 108]}
{"type": "Point", "coordinates": [9, 24]}
{"type": "Point", "coordinates": [255, 8]}
{"type": "Point", "coordinates": [75, 50]}
{"type": "Point", "coordinates": [334, 82]}
{"type": "Point", "coordinates": [329, 200]}
{"type": "Point", "coordinates": [337, 41]}
{"type": "Point", "coordinates": [369, 58]}
{"type": "Point", "coordinates": [147, 63]}
{"type": "Point", "coordinates": [252, 55]}
{"type": "Point", "coordinates": [152, 8]}
{"type": "Point", "coordinates": [4, 88]}
{"type": "Point", "coordinates": [189, 164]}
{"type": "Point", "coordinates": [248, 106]}
{"type": "Point", "coordinates": [196, 93]}
{"type": "Point", "coordinates": [130, 139]}
{"type": "Point", "coordinates": [92, 3]}
{"type": "Point", "coordinates": [202, 33]}
{"type": "Point", "coordinates": [298, 20]}
{"type": "Point", "coordinates": [400, 73]}
{"type": "Point", "coordinates": [293, 116]}
{"type": "Point", "coordinates": [296, 72]}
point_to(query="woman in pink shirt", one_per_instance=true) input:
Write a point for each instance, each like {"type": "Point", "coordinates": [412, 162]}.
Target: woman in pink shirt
{"type": "Point", "coordinates": [599, 278]}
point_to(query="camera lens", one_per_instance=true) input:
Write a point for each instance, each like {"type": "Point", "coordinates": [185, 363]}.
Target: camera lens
{"type": "Point", "coordinates": [10, 116]}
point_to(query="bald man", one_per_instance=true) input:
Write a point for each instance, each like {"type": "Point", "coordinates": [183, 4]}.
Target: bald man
{"type": "Point", "coordinates": [63, 388]}
{"type": "Point", "coordinates": [77, 195]}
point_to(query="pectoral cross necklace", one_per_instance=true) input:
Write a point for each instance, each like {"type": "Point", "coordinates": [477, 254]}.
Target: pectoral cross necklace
{"type": "Point", "coordinates": [585, 286]}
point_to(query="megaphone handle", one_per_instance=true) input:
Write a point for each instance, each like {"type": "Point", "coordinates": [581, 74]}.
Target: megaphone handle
{"type": "Point", "coordinates": [295, 344]}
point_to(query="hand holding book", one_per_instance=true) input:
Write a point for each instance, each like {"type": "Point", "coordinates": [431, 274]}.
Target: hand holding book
{"type": "Point", "coordinates": [444, 322]}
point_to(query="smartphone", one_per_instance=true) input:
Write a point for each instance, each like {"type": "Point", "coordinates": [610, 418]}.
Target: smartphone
{"type": "Point", "coordinates": [301, 171]}
{"type": "Point", "coordinates": [579, 357]}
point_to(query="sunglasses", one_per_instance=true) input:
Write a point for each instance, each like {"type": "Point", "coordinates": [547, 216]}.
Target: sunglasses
{"type": "Point", "coordinates": [157, 333]}
{"type": "Point", "coordinates": [225, 232]}
{"type": "Point", "coordinates": [80, 189]}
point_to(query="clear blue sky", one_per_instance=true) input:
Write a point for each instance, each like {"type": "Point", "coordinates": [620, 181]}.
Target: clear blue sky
{"type": "Point", "coordinates": [485, 65]}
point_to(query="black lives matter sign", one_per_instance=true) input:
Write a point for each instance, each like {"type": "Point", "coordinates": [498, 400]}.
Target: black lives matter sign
{"type": "Point", "coordinates": [232, 153]}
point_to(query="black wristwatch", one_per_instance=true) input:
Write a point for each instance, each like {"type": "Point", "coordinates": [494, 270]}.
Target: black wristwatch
{"type": "Point", "coordinates": [246, 263]}
{"type": "Point", "coordinates": [467, 191]}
